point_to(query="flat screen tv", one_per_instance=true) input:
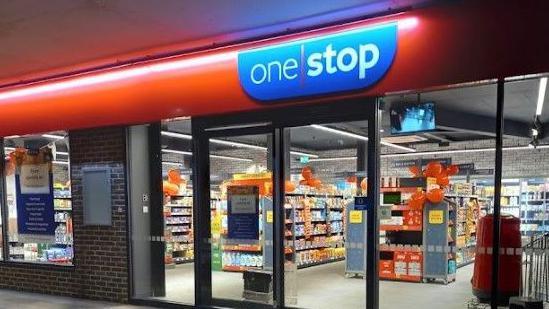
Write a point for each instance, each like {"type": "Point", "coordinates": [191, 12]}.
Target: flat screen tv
{"type": "Point", "coordinates": [411, 118]}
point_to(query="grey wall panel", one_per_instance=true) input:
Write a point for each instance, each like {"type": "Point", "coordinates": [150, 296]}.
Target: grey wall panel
{"type": "Point", "coordinates": [96, 191]}
{"type": "Point", "coordinates": [138, 186]}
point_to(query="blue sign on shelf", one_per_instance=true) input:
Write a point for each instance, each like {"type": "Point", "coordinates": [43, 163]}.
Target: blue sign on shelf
{"type": "Point", "coordinates": [35, 209]}
{"type": "Point", "coordinates": [243, 212]}
{"type": "Point", "coordinates": [344, 61]}
{"type": "Point", "coordinates": [361, 203]}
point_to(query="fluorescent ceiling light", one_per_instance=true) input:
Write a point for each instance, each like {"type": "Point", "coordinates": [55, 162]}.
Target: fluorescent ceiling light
{"type": "Point", "coordinates": [172, 163]}
{"type": "Point", "coordinates": [397, 146]}
{"type": "Point", "coordinates": [299, 153]}
{"type": "Point", "coordinates": [234, 144]}
{"type": "Point", "coordinates": [60, 162]}
{"type": "Point", "coordinates": [237, 144]}
{"type": "Point", "coordinates": [212, 156]}
{"type": "Point", "coordinates": [187, 153]}
{"type": "Point", "coordinates": [357, 136]}
{"type": "Point", "coordinates": [510, 180]}
{"type": "Point", "coordinates": [332, 159]}
{"type": "Point", "coordinates": [541, 95]}
{"type": "Point", "coordinates": [340, 132]}
{"type": "Point", "coordinates": [177, 135]}
{"type": "Point", "coordinates": [53, 136]}
{"type": "Point", "coordinates": [231, 158]}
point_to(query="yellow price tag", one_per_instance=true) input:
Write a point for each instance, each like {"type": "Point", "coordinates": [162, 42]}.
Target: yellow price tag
{"type": "Point", "coordinates": [436, 216]}
{"type": "Point", "coordinates": [269, 216]}
{"type": "Point", "coordinates": [355, 216]}
{"type": "Point", "coordinates": [216, 225]}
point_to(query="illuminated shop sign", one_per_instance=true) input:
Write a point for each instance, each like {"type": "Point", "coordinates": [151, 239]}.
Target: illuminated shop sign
{"type": "Point", "coordinates": [343, 61]}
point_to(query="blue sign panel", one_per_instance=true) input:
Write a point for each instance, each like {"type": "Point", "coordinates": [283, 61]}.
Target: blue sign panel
{"type": "Point", "coordinates": [361, 203]}
{"type": "Point", "coordinates": [243, 212]}
{"type": "Point", "coordinates": [343, 61]}
{"type": "Point", "coordinates": [35, 213]}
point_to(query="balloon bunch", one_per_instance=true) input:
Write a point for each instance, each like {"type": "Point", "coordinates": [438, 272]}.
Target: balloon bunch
{"type": "Point", "coordinates": [309, 179]}
{"type": "Point", "coordinates": [14, 159]}
{"type": "Point", "coordinates": [435, 170]}
{"type": "Point", "coordinates": [172, 185]}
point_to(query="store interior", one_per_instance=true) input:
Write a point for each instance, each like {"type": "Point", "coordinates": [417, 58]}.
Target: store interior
{"type": "Point", "coordinates": [447, 134]}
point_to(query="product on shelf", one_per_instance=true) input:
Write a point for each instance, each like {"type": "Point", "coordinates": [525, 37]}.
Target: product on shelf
{"type": "Point", "coordinates": [526, 199]}
{"type": "Point", "coordinates": [178, 229]}
{"type": "Point", "coordinates": [315, 228]}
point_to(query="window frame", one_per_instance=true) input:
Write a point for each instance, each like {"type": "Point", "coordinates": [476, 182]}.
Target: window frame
{"type": "Point", "coordinates": [4, 212]}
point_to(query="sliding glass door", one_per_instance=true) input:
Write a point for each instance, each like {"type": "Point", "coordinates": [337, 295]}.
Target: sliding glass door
{"type": "Point", "coordinates": [284, 207]}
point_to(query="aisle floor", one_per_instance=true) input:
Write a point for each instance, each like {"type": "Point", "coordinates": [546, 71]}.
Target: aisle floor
{"type": "Point", "coordinates": [325, 286]}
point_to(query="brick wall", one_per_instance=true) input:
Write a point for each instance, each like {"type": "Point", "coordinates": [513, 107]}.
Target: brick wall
{"type": "Point", "coordinates": [100, 264]}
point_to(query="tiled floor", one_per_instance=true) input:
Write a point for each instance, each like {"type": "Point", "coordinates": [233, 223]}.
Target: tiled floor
{"type": "Point", "coordinates": [325, 286]}
{"type": "Point", "coordinates": [12, 299]}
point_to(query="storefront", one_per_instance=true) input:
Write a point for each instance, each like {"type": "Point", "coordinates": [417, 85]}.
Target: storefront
{"type": "Point", "coordinates": [186, 173]}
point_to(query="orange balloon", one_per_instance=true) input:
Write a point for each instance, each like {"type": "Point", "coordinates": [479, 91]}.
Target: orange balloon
{"type": "Point", "coordinates": [417, 200]}
{"type": "Point", "coordinates": [174, 176]}
{"type": "Point", "coordinates": [364, 184]}
{"type": "Point", "coordinates": [415, 204]}
{"type": "Point", "coordinates": [442, 180]}
{"type": "Point", "coordinates": [289, 186]}
{"type": "Point", "coordinates": [307, 173]}
{"type": "Point", "coordinates": [433, 169]}
{"type": "Point", "coordinates": [317, 183]}
{"type": "Point", "coordinates": [418, 195]}
{"type": "Point", "coordinates": [452, 170]}
{"type": "Point", "coordinates": [416, 171]}
{"type": "Point", "coordinates": [435, 195]}
{"type": "Point", "coordinates": [170, 188]}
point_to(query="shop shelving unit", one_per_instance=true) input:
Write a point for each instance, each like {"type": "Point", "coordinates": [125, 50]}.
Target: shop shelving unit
{"type": "Point", "coordinates": [62, 205]}
{"type": "Point", "coordinates": [534, 199]}
{"type": "Point", "coordinates": [439, 239]}
{"type": "Point", "coordinates": [178, 227]}
{"type": "Point", "coordinates": [405, 253]}
{"type": "Point", "coordinates": [467, 209]}
{"type": "Point", "coordinates": [315, 228]}
{"type": "Point", "coordinates": [403, 239]}
{"type": "Point", "coordinates": [527, 199]}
